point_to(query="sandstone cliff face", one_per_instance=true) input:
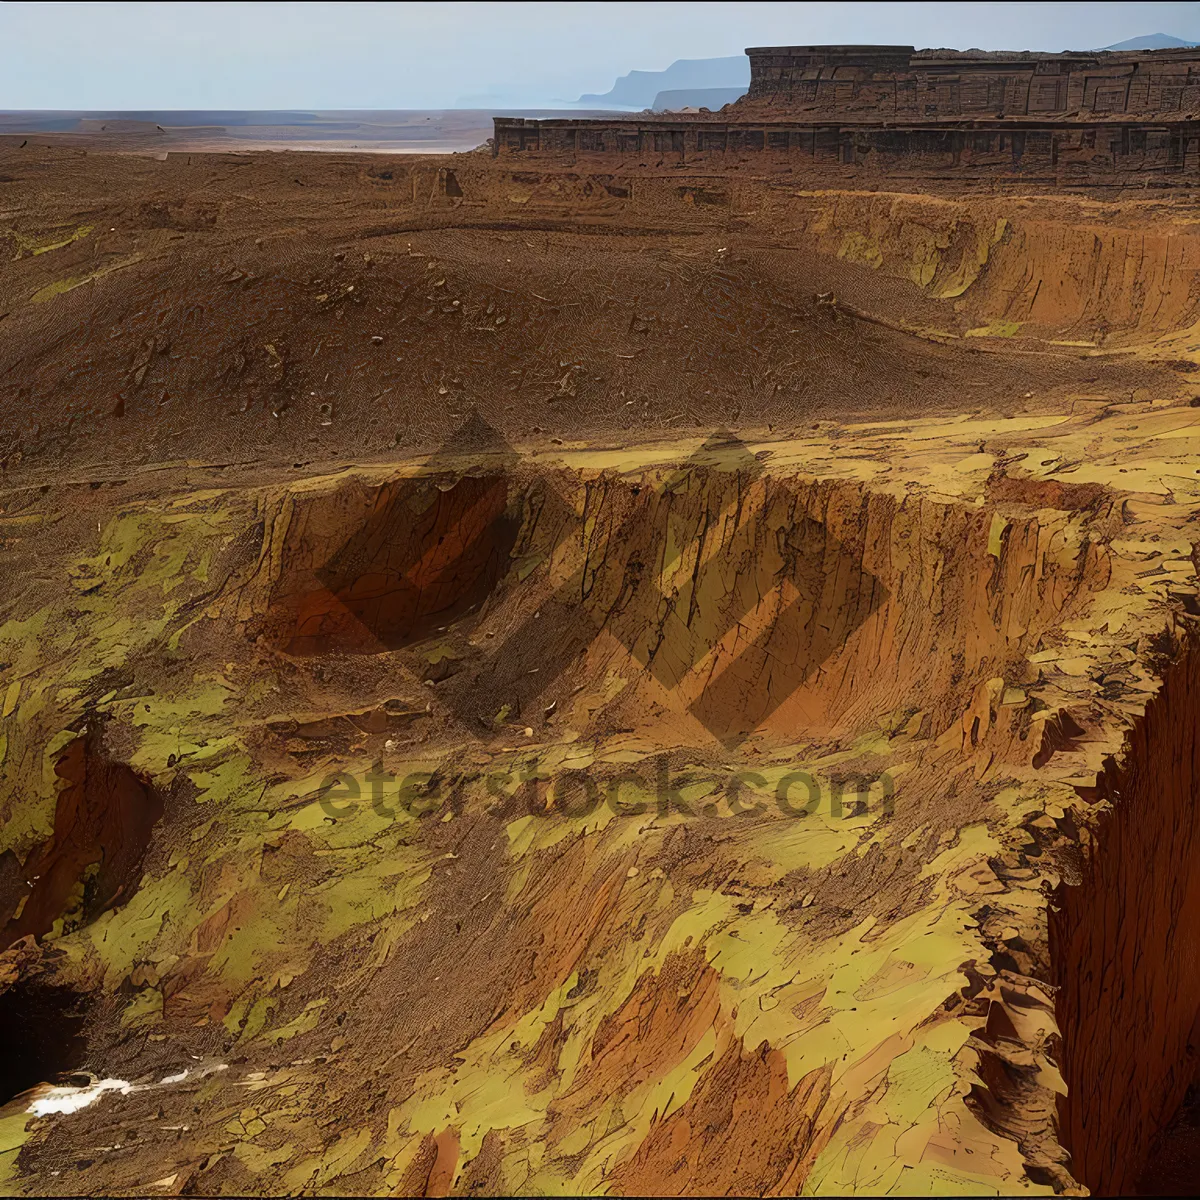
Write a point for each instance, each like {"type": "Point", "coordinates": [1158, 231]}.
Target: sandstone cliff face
{"type": "Point", "coordinates": [892, 81]}
{"type": "Point", "coordinates": [1080, 274]}
{"type": "Point", "coordinates": [727, 599]}
{"type": "Point", "coordinates": [1125, 944]}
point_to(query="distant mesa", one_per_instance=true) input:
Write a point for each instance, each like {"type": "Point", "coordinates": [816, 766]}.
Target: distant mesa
{"type": "Point", "coordinates": [1152, 41]}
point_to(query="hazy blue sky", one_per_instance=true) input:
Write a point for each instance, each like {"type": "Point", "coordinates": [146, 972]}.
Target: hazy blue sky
{"type": "Point", "coordinates": [399, 55]}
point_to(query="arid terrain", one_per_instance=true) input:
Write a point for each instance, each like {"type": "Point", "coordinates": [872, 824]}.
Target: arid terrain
{"type": "Point", "coordinates": [573, 679]}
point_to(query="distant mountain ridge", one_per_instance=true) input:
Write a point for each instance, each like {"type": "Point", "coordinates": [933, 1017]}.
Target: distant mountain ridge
{"type": "Point", "coordinates": [1152, 41]}
{"type": "Point", "coordinates": [639, 89]}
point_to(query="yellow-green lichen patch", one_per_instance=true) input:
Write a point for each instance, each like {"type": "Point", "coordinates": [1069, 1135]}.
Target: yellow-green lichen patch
{"type": "Point", "coordinates": [13, 1135]}
{"type": "Point", "coordinates": [35, 244]}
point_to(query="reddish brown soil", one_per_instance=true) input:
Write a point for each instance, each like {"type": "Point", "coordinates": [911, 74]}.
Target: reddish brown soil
{"type": "Point", "coordinates": [260, 309]}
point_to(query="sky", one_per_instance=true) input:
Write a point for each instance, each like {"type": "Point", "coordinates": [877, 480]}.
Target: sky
{"type": "Point", "coordinates": [121, 56]}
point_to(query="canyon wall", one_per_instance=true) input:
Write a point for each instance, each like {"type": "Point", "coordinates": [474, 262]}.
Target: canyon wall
{"type": "Point", "coordinates": [1088, 274]}
{"type": "Point", "coordinates": [771, 137]}
{"type": "Point", "coordinates": [901, 81]}
{"type": "Point", "coordinates": [1125, 944]}
{"type": "Point", "coordinates": [728, 602]}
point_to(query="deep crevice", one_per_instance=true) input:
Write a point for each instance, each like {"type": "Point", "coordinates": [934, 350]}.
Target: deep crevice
{"type": "Point", "coordinates": [1124, 948]}
{"type": "Point", "coordinates": [42, 1035]}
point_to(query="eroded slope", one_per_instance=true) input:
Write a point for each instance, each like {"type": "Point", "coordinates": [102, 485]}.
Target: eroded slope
{"type": "Point", "coordinates": [581, 925]}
